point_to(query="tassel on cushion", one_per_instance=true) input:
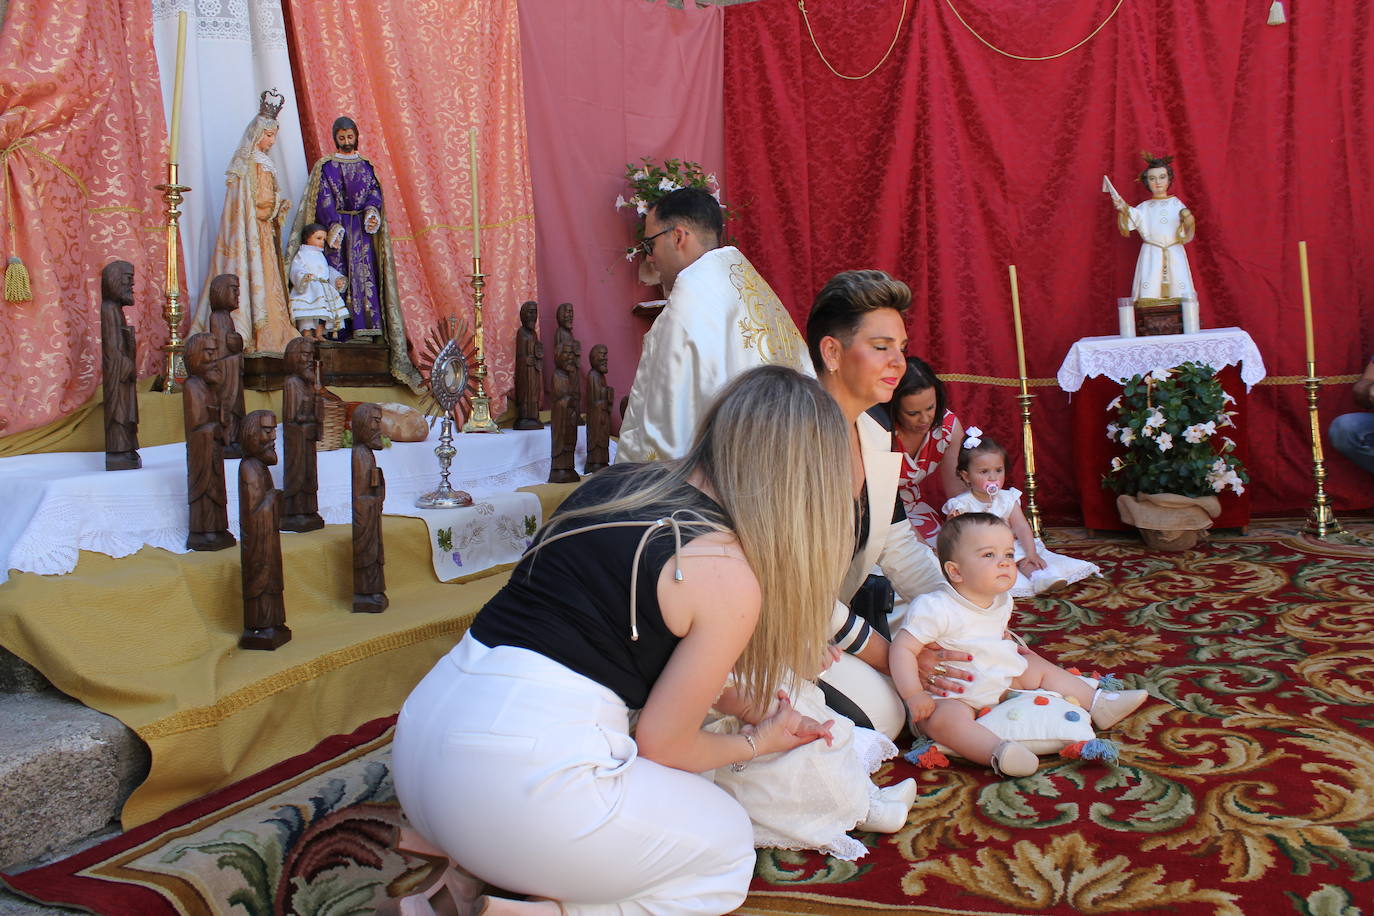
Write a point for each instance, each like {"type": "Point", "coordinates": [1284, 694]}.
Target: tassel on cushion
{"type": "Point", "coordinates": [1096, 749]}
{"type": "Point", "coordinates": [925, 755]}
{"type": "Point", "coordinates": [17, 287]}
{"type": "Point", "coordinates": [1276, 14]}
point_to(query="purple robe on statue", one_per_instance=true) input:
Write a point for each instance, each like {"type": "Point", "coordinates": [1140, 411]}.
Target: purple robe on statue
{"type": "Point", "coordinates": [348, 189]}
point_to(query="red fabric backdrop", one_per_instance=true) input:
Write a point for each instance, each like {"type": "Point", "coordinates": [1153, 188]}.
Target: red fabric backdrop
{"type": "Point", "coordinates": [952, 161]}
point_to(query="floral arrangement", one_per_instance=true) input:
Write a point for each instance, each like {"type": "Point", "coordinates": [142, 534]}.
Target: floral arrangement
{"type": "Point", "coordinates": [650, 181]}
{"type": "Point", "coordinates": [1170, 421]}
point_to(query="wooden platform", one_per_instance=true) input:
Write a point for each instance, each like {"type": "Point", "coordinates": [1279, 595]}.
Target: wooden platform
{"type": "Point", "coordinates": [352, 365]}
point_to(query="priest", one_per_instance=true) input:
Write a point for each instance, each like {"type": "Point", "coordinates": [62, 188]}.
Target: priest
{"type": "Point", "coordinates": [721, 319]}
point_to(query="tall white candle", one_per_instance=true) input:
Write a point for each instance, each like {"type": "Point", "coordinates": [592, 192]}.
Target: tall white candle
{"type": "Point", "coordinates": [175, 143]}
{"type": "Point", "coordinates": [476, 206]}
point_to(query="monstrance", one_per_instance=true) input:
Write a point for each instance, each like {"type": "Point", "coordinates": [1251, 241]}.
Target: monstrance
{"type": "Point", "coordinates": [444, 364]}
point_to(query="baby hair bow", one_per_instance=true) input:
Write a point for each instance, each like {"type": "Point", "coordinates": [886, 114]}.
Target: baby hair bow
{"type": "Point", "coordinates": [973, 437]}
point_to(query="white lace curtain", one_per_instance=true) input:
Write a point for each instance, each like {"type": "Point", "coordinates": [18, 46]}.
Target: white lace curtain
{"type": "Point", "coordinates": [234, 50]}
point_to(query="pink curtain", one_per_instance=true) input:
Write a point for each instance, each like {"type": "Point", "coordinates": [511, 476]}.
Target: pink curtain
{"type": "Point", "coordinates": [609, 82]}
{"type": "Point", "coordinates": [82, 143]}
{"type": "Point", "coordinates": [415, 75]}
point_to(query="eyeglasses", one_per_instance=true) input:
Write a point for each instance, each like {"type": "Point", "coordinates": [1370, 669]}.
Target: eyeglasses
{"type": "Point", "coordinates": [647, 245]}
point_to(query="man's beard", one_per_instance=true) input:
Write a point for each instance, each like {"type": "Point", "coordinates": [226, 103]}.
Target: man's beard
{"type": "Point", "coordinates": [346, 147]}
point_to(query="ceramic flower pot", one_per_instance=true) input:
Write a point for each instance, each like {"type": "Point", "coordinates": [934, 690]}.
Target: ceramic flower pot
{"type": "Point", "coordinates": [1169, 521]}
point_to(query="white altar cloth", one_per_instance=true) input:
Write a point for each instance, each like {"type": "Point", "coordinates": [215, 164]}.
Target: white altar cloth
{"type": "Point", "coordinates": [52, 506]}
{"type": "Point", "coordinates": [1119, 358]}
{"type": "Point", "coordinates": [493, 531]}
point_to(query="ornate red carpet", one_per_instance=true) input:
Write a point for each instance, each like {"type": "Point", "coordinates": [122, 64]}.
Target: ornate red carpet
{"type": "Point", "coordinates": [1245, 786]}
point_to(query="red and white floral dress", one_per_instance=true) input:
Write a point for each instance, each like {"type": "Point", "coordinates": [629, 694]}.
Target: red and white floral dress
{"type": "Point", "coordinates": [924, 517]}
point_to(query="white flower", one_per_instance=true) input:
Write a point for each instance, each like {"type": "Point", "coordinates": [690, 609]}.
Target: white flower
{"type": "Point", "coordinates": [641, 207]}
{"type": "Point", "coordinates": [711, 178]}
{"type": "Point", "coordinates": [1127, 436]}
{"type": "Point", "coordinates": [1155, 419]}
{"type": "Point", "coordinates": [1113, 430]}
{"type": "Point", "coordinates": [1199, 432]}
{"type": "Point", "coordinates": [639, 176]}
{"type": "Point", "coordinates": [1165, 442]}
{"type": "Point", "coordinates": [630, 253]}
{"type": "Point", "coordinates": [1226, 398]}
{"type": "Point", "coordinates": [1117, 464]}
{"type": "Point", "coordinates": [667, 184]}
{"type": "Point", "coordinates": [1225, 419]}
{"type": "Point", "coordinates": [620, 201]}
{"type": "Point", "coordinates": [1238, 486]}
{"type": "Point", "coordinates": [1115, 404]}
{"type": "Point", "coordinates": [1160, 374]}
{"type": "Point", "coordinates": [1228, 443]}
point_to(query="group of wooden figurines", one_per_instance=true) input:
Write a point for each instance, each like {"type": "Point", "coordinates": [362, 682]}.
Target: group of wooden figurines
{"type": "Point", "coordinates": [565, 393]}
{"type": "Point", "coordinates": [216, 429]}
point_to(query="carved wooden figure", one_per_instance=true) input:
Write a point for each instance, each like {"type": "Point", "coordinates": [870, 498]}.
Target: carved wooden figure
{"type": "Point", "coordinates": [264, 609]}
{"type": "Point", "coordinates": [302, 414]}
{"type": "Point", "coordinates": [563, 334]}
{"type": "Point", "coordinates": [529, 369]}
{"type": "Point", "coordinates": [224, 301]}
{"type": "Point", "coordinates": [369, 493]}
{"type": "Point", "coordinates": [564, 409]}
{"type": "Point", "coordinates": [600, 397]}
{"type": "Point", "coordinates": [119, 366]}
{"type": "Point", "coordinates": [204, 447]}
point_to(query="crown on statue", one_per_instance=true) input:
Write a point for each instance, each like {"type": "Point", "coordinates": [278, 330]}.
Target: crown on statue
{"type": "Point", "coordinates": [271, 104]}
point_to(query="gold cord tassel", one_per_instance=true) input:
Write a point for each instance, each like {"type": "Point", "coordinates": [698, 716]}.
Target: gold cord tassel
{"type": "Point", "coordinates": [17, 287]}
{"type": "Point", "coordinates": [1276, 13]}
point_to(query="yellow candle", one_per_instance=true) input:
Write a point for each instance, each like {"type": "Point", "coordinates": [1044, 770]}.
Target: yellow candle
{"type": "Point", "coordinates": [176, 88]}
{"type": "Point", "coordinates": [476, 208]}
{"type": "Point", "coordinates": [1306, 302]}
{"type": "Point", "coordinates": [1016, 319]}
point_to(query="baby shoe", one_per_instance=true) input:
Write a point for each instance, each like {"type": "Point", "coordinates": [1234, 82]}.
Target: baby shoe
{"type": "Point", "coordinates": [889, 808]}
{"type": "Point", "coordinates": [1042, 581]}
{"type": "Point", "coordinates": [1011, 758]}
{"type": "Point", "coordinates": [1111, 706]}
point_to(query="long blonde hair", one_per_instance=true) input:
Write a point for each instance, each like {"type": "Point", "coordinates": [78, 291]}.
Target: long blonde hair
{"type": "Point", "coordinates": [774, 448]}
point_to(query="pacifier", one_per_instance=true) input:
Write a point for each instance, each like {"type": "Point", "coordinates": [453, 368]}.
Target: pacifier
{"type": "Point", "coordinates": [991, 488]}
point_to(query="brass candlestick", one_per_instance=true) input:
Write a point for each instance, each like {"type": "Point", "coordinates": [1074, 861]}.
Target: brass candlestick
{"type": "Point", "coordinates": [479, 420]}
{"type": "Point", "coordinates": [1321, 521]}
{"type": "Point", "coordinates": [173, 366]}
{"type": "Point", "coordinates": [1028, 446]}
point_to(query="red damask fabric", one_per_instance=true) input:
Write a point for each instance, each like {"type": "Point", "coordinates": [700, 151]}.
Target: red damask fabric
{"type": "Point", "coordinates": [952, 161]}
{"type": "Point", "coordinates": [83, 141]}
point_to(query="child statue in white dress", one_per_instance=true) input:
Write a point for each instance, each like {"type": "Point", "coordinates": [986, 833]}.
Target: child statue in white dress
{"type": "Point", "coordinates": [315, 286]}
{"type": "Point", "coordinates": [982, 467]}
{"type": "Point", "coordinates": [1165, 225]}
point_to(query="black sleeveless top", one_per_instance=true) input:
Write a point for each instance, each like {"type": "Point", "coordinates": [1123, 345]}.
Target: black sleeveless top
{"type": "Point", "coordinates": [570, 601]}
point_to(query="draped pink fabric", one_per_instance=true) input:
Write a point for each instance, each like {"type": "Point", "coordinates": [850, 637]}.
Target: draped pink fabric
{"type": "Point", "coordinates": [82, 143]}
{"type": "Point", "coordinates": [609, 82]}
{"type": "Point", "coordinates": [415, 75]}
{"type": "Point", "coordinates": [953, 161]}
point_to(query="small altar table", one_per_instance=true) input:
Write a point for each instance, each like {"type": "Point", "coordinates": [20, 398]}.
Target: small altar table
{"type": "Point", "coordinates": [1092, 373]}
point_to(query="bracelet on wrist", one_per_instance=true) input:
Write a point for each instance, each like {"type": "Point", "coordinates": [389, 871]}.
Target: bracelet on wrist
{"type": "Point", "coordinates": [739, 765]}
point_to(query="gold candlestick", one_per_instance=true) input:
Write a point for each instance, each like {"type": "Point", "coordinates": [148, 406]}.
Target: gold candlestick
{"type": "Point", "coordinates": [1321, 521]}
{"type": "Point", "coordinates": [1028, 446]}
{"type": "Point", "coordinates": [173, 367]}
{"type": "Point", "coordinates": [479, 421]}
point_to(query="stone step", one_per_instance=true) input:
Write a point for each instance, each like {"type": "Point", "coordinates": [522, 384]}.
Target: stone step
{"type": "Point", "coordinates": [65, 771]}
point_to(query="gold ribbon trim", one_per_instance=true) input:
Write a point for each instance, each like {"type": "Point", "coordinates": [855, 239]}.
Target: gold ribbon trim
{"type": "Point", "coordinates": [901, 20]}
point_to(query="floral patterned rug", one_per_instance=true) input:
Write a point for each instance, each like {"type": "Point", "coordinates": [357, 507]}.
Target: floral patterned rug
{"type": "Point", "coordinates": [1246, 786]}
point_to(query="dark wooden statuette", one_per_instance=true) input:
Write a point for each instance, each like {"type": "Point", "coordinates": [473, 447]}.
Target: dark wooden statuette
{"type": "Point", "coordinates": [119, 367]}
{"type": "Point", "coordinates": [529, 369]}
{"type": "Point", "coordinates": [563, 334]}
{"type": "Point", "coordinates": [205, 493]}
{"type": "Point", "coordinates": [224, 301]}
{"type": "Point", "coordinates": [264, 610]}
{"type": "Point", "coordinates": [600, 397]}
{"type": "Point", "coordinates": [369, 492]}
{"type": "Point", "coordinates": [564, 409]}
{"type": "Point", "coordinates": [302, 414]}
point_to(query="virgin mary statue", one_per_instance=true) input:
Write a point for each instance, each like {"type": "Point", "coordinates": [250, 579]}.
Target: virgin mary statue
{"type": "Point", "coordinates": [249, 243]}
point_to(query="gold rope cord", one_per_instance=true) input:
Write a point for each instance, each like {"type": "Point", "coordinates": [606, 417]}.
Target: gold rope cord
{"type": "Point", "coordinates": [1110, 16]}
{"type": "Point", "coordinates": [801, 5]}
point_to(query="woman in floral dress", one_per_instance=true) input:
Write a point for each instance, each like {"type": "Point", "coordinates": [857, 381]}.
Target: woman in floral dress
{"type": "Point", "coordinates": [922, 430]}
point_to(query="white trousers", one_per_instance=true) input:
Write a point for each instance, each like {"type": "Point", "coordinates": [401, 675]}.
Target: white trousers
{"type": "Point", "coordinates": [524, 772]}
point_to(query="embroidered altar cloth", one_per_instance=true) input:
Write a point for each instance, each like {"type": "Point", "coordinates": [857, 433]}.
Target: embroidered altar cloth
{"type": "Point", "coordinates": [1119, 358]}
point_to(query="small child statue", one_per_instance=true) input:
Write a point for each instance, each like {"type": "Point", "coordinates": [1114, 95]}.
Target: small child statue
{"type": "Point", "coordinates": [369, 493]}
{"type": "Point", "coordinates": [316, 301]}
{"type": "Point", "coordinates": [264, 609]}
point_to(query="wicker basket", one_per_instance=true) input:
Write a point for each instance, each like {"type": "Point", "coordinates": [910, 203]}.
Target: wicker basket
{"type": "Point", "coordinates": [335, 414]}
